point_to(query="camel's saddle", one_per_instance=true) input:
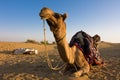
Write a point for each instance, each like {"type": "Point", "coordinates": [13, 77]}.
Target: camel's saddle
{"type": "Point", "coordinates": [85, 43]}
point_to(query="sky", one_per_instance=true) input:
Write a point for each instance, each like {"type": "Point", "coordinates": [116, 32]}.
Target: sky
{"type": "Point", "coordinates": [20, 21]}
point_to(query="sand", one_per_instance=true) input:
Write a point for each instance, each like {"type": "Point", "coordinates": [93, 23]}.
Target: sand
{"type": "Point", "coordinates": [34, 67]}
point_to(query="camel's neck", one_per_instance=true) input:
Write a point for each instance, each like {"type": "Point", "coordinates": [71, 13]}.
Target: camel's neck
{"type": "Point", "coordinates": [59, 31]}
{"type": "Point", "coordinates": [63, 48]}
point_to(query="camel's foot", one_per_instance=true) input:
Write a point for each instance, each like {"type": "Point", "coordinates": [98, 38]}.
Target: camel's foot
{"type": "Point", "coordinates": [83, 77]}
{"type": "Point", "coordinates": [65, 72]}
{"type": "Point", "coordinates": [77, 73]}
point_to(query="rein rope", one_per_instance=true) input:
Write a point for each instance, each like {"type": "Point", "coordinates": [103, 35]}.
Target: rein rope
{"type": "Point", "coordinates": [46, 52]}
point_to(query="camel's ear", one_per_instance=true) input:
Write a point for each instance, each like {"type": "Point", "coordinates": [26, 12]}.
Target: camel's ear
{"type": "Point", "coordinates": [64, 16]}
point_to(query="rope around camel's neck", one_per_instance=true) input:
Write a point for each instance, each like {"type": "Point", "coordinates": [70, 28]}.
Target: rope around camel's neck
{"type": "Point", "coordinates": [48, 59]}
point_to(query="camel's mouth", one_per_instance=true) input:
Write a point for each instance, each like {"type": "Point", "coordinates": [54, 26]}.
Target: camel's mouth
{"type": "Point", "coordinates": [44, 16]}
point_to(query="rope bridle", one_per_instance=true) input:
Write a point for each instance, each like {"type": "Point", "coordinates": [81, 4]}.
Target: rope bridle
{"type": "Point", "coordinates": [61, 38]}
{"type": "Point", "coordinates": [46, 51]}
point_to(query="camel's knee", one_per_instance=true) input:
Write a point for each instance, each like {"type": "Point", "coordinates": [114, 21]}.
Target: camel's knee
{"type": "Point", "coordinates": [84, 66]}
{"type": "Point", "coordinates": [86, 69]}
{"type": "Point", "coordinates": [71, 60]}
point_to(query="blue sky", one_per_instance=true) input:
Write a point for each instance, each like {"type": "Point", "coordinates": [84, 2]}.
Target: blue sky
{"type": "Point", "coordinates": [19, 19]}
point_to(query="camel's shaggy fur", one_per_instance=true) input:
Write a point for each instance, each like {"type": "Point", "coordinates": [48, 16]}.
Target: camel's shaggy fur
{"type": "Point", "coordinates": [70, 55]}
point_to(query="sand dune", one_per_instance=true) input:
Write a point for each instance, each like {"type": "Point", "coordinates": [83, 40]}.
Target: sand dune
{"type": "Point", "coordinates": [34, 67]}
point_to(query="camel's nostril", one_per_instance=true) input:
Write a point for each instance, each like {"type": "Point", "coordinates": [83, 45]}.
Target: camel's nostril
{"type": "Point", "coordinates": [41, 16]}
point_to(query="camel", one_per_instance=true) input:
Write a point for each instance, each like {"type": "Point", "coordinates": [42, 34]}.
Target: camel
{"type": "Point", "coordinates": [72, 56]}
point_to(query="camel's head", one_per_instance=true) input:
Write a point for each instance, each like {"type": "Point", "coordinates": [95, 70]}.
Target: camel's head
{"type": "Point", "coordinates": [54, 20]}
{"type": "Point", "coordinates": [46, 13]}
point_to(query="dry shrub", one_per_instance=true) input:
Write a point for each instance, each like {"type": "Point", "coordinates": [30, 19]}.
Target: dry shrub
{"type": "Point", "coordinates": [32, 41]}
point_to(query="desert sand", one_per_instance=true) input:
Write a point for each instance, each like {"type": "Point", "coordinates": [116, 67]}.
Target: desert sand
{"type": "Point", "coordinates": [34, 67]}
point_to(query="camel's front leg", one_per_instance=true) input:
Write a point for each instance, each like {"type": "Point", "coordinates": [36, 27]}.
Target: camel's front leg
{"type": "Point", "coordinates": [81, 63]}
{"type": "Point", "coordinates": [77, 73]}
